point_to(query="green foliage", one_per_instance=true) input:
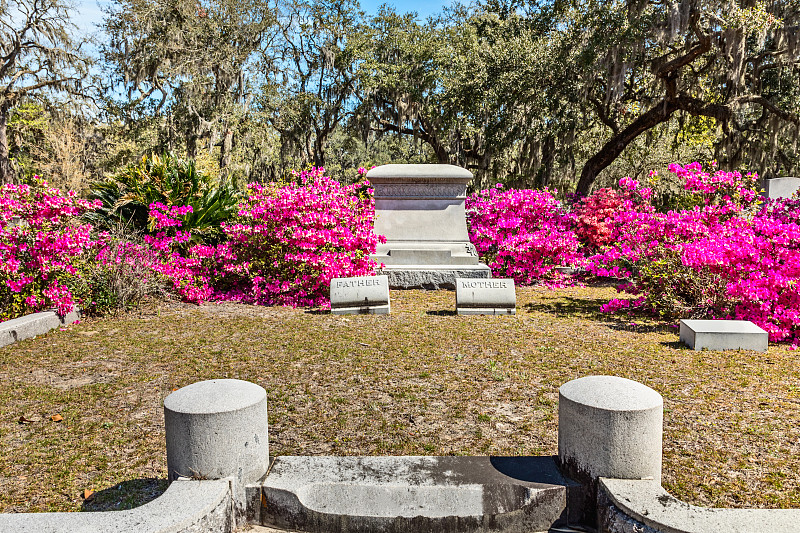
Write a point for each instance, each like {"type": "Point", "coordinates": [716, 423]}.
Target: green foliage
{"type": "Point", "coordinates": [676, 291]}
{"type": "Point", "coordinates": [171, 181]}
{"type": "Point", "coordinates": [40, 55]}
{"type": "Point", "coordinates": [118, 281]}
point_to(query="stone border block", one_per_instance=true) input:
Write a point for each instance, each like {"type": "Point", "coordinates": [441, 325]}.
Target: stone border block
{"type": "Point", "coordinates": [723, 335]}
{"type": "Point", "coordinates": [609, 427]}
{"type": "Point", "coordinates": [367, 295]}
{"type": "Point", "coordinates": [188, 506]}
{"type": "Point", "coordinates": [495, 296]}
{"type": "Point", "coordinates": [415, 494]}
{"type": "Point", "coordinates": [30, 326]}
{"type": "Point", "coordinates": [644, 506]}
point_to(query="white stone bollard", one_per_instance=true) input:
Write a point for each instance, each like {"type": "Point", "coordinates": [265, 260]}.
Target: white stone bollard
{"type": "Point", "coordinates": [609, 427]}
{"type": "Point", "coordinates": [217, 429]}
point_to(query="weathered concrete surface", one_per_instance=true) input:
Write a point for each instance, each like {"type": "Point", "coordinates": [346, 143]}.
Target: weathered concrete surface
{"type": "Point", "coordinates": [646, 503]}
{"type": "Point", "coordinates": [432, 277]}
{"type": "Point", "coordinates": [723, 335]}
{"type": "Point", "coordinates": [420, 210]}
{"type": "Point", "coordinates": [218, 429]}
{"type": "Point", "coordinates": [781, 187]}
{"type": "Point", "coordinates": [29, 326]}
{"type": "Point", "coordinates": [188, 506]}
{"type": "Point", "coordinates": [609, 427]}
{"type": "Point", "coordinates": [360, 295]}
{"type": "Point", "coordinates": [494, 296]}
{"type": "Point", "coordinates": [416, 494]}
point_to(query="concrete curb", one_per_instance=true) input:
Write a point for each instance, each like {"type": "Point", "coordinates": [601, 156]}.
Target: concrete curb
{"type": "Point", "coordinates": [28, 326]}
{"type": "Point", "coordinates": [188, 506]}
{"type": "Point", "coordinates": [416, 494]}
{"type": "Point", "coordinates": [654, 510]}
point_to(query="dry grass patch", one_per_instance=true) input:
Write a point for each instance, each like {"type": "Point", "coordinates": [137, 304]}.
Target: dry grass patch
{"type": "Point", "coordinates": [420, 381]}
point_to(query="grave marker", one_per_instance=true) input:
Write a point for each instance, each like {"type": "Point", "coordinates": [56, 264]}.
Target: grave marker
{"type": "Point", "coordinates": [368, 295]}
{"type": "Point", "coordinates": [494, 296]}
{"type": "Point", "coordinates": [781, 187]}
{"type": "Point", "coordinates": [723, 335]}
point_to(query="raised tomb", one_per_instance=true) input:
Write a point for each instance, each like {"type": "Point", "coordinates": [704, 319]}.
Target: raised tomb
{"type": "Point", "coordinates": [420, 210]}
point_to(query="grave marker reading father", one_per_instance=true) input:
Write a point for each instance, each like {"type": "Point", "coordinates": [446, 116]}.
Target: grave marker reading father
{"type": "Point", "coordinates": [420, 210]}
{"type": "Point", "coordinates": [363, 295]}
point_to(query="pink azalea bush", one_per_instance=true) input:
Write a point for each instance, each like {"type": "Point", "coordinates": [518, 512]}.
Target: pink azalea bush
{"type": "Point", "coordinates": [168, 254]}
{"type": "Point", "coordinates": [596, 223]}
{"type": "Point", "coordinates": [284, 245]}
{"type": "Point", "coordinates": [724, 258]}
{"type": "Point", "coordinates": [728, 255]}
{"type": "Point", "coordinates": [288, 241]}
{"type": "Point", "coordinates": [44, 249]}
{"type": "Point", "coordinates": [522, 234]}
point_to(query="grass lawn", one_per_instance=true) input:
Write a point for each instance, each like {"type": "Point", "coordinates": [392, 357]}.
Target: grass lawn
{"type": "Point", "coordinates": [420, 381]}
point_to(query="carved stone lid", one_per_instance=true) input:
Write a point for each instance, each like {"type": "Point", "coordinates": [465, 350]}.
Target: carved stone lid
{"type": "Point", "coordinates": [419, 173]}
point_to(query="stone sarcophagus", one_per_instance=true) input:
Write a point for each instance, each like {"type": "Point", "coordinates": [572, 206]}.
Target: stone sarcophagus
{"type": "Point", "coordinates": [420, 210]}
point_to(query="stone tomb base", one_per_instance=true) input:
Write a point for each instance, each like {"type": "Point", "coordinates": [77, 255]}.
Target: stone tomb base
{"type": "Point", "coordinates": [431, 276]}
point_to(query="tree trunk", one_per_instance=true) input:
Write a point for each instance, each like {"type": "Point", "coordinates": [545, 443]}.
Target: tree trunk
{"type": "Point", "coordinates": [7, 173]}
{"type": "Point", "coordinates": [225, 150]}
{"type": "Point", "coordinates": [661, 112]}
{"type": "Point", "coordinates": [548, 157]}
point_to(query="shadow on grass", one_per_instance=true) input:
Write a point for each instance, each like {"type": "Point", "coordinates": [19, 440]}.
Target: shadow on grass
{"type": "Point", "coordinates": [677, 345]}
{"type": "Point", "coordinates": [569, 306]}
{"type": "Point", "coordinates": [126, 495]}
{"type": "Point", "coordinates": [625, 324]}
{"type": "Point", "coordinates": [590, 308]}
{"type": "Point", "coordinates": [441, 312]}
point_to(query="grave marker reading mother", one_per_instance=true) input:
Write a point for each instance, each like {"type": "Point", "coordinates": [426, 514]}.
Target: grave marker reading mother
{"type": "Point", "coordinates": [420, 210]}
{"type": "Point", "coordinates": [486, 296]}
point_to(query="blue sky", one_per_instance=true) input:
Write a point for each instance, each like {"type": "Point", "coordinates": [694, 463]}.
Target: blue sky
{"type": "Point", "coordinates": [88, 12]}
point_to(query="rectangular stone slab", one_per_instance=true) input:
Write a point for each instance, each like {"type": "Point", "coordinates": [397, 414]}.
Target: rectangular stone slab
{"type": "Point", "coordinates": [723, 335]}
{"type": "Point", "coordinates": [416, 494]}
{"type": "Point", "coordinates": [781, 187]}
{"type": "Point", "coordinates": [485, 296]}
{"type": "Point", "coordinates": [489, 311]}
{"type": "Point", "coordinates": [360, 295]}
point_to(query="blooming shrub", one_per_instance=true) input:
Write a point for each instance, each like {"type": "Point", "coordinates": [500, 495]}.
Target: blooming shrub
{"type": "Point", "coordinates": [288, 241]}
{"type": "Point", "coordinates": [43, 248]}
{"type": "Point", "coordinates": [169, 255]}
{"type": "Point", "coordinates": [170, 181]}
{"type": "Point", "coordinates": [596, 222]}
{"type": "Point", "coordinates": [726, 256]}
{"type": "Point", "coordinates": [758, 261]}
{"type": "Point", "coordinates": [522, 234]}
{"type": "Point", "coordinates": [723, 258]}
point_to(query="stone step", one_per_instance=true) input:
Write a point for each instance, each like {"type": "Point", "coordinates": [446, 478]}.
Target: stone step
{"type": "Point", "coordinates": [417, 494]}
